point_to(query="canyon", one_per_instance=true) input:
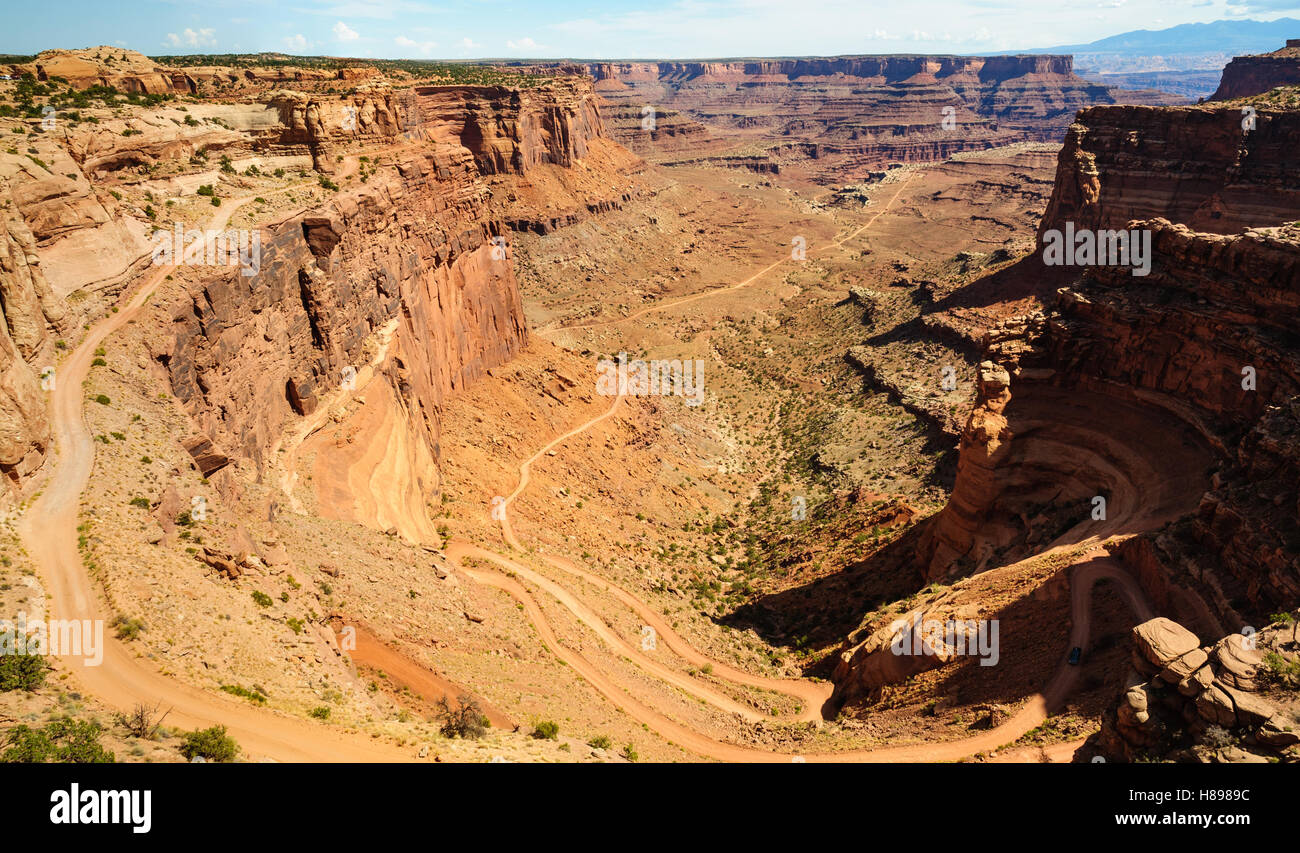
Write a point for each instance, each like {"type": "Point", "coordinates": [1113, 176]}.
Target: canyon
{"type": "Point", "coordinates": [827, 119]}
{"type": "Point", "coordinates": [374, 470]}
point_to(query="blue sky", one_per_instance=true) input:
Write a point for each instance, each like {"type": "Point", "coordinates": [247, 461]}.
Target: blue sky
{"type": "Point", "coordinates": [459, 29]}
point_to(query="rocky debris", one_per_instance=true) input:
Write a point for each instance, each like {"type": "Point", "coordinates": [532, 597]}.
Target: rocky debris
{"type": "Point", "coordinates": [205, 455]}
{"type": "Point", "coordinates": [1206, 715]}
{"type": "Point", "coordinates": [905, 646]}
{"type": "Point", "coordinates": [867, 299]}
{"type": "Point", "coordinates": [231, 566]}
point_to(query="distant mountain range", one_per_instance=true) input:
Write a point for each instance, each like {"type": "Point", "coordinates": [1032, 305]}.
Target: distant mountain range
{"type": "Point", "coordinates": [1182, 48]}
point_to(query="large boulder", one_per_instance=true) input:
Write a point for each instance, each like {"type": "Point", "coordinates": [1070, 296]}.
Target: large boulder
{"type": "Point", "coordinates": [1159, 642]}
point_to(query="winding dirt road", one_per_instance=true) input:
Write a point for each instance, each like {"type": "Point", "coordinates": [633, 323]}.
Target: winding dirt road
{"type": "Point", "coordinates": [49, 528]}
{"type": "Point", "coordinates": [1095, 566]}
{"type": "Point", "coordinates": [49, 532]}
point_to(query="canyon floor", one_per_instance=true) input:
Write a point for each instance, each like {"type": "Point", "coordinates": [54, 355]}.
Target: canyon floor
{"type": "Point", "coordinates": [680, 506]}
{"type": "Point", "coordinates": [608, 576]}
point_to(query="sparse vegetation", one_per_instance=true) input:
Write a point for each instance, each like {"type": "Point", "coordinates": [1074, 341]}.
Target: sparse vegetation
{"type": "Point", "coordinates": [464, 720]}
{"type": "Point", "coordinates": [22, 672]}
{"type": "Point", "coordinates": [546, 730]}
{"type": "Point", "coordinates": [211, 745]}
{"type": "Point", "coordinates": [65, 741]}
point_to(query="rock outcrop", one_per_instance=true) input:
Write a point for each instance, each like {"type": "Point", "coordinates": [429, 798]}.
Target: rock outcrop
{"type": "Point", "coordinates": [30, 315]}
{"type": "Point", "coordinates": [1253, 75]}
{"type": "Point", "coordinates": [1227, 702]}
{"type": "Point", "coordinates": [1168, 402]}
{"type": "Point", "coordinates": [1198, 166]}
{"type": "Point", "coordinates": [124, 70]}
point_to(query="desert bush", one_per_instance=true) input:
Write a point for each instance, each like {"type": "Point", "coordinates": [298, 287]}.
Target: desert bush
{"type": "Point", "coordinates": [127, 628]}
{"type": "Point", "coordinates": [22, 672]}
{"type": "Point", "coordinates": [211, 744]}
{"type": "Point", "coordinates": [546, 730]}
{"type": "Point", "coordinates": [465, 720]}
{"type": "Point", "coordinates": [64, 740]}
{"type": "Point", "coordinates": [143, 721]}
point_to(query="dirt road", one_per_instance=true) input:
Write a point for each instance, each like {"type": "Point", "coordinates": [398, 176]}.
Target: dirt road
{"type": "Point", "coordinates": [49, 532]}
{"type": "Point", "coordinates": [1095, 566]}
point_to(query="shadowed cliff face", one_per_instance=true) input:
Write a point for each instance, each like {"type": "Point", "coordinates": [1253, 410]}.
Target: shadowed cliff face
{"type": "Point", "coordinates": [1173, 395]}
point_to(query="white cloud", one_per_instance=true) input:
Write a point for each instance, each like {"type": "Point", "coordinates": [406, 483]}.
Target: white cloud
{"type": "Point", "coordinates": [296, 42]}
{"type": "Point", "coordinates": [344, 33]}
{"type": "Point", "coordinates": [191, 38]}
{"type": "Point", "coordinates": [469, 44]}
{"type": "Point", "coordinates": [374, 9]}
{"type": "Point", "coordinates": [525, 44]}
{"type": "Point", "coordinates": [424, 47]}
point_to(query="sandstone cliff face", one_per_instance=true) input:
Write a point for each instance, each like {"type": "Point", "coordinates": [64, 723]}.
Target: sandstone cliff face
{"type": "Point", "coordinates": [406, 279]}
{"type": "Point", "coordinates": [840, 116]}
{"type": "Point", "coordinates": [248, 352]}
{"type": "Point", "coordinates": [1253, 75]}
{"type": "Point", "coordinates": [511, 130]}
{"type": "Point", "coordinates": [124, 70]}
{"type": "Point", "coordinates": [1196, 362]}
{"type": "Point", "coordinates": [29, 313]}
{"type": "Point", "coordinates": [1211, 333]}
{"type": "Point", "coordinates": [1196, 166]}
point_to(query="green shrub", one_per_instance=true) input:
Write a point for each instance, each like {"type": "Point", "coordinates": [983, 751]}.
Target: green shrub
{"type": "Point", "coordinates": [65, 741]}
{"type": "Point", "coordinates": [22, 672]}
{"type": "Point", "coordinates": [629, 752]}
{"type": "Point", "coordinates": [546, 730]}
{"type": "Point", "coordinates": [102, 399]}
{"type": "Point", "coordinates": [142, 503]}
{"type": "Point", "coordinates": [262, 599]}
{"type": "Point", "coordinates": [321, 713]}
{"type": "Point", "coordinates": [211, 744]}
{"type": "Point", "coordinates": [127, 628]}
{"type": "Point", "coordinates": [1280, 672]}
{"type": "Point", "coordinates": [254, 695]}
{"type": "Point", "coordinates": [601, 742]}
